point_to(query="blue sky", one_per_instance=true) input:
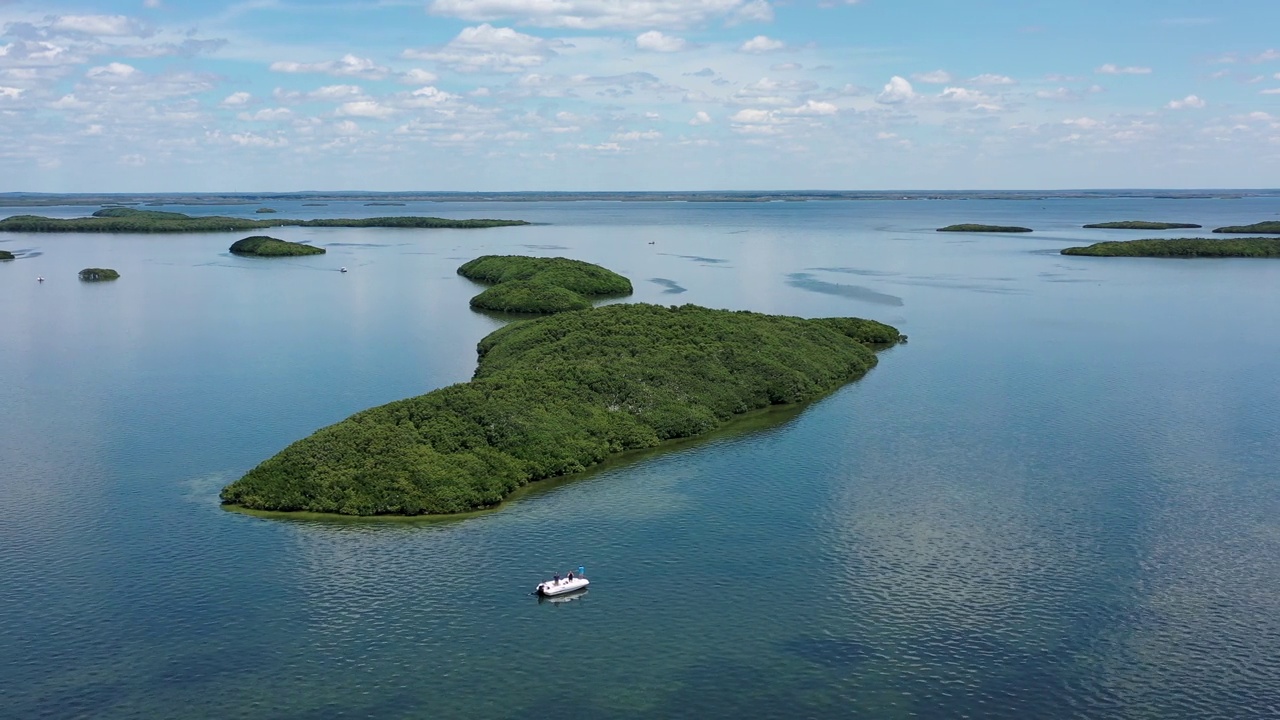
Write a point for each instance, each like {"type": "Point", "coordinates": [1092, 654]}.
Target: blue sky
{"type": "Point", "coordinates": [275, 95]}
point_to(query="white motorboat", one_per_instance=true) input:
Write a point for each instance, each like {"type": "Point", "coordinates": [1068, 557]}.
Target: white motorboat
{"type": "Point", "coordinates": [561, 586]}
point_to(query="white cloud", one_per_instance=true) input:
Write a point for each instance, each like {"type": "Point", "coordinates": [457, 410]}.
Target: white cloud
{"type": "Point", "coordinates": [10, 93]}
{"type": "Point", "coordinates": [959, 94]}
{"type": "Point", "coordinates": [1086, 123]}
{"type": "Point", "coordinates": [1272, 91]}
{"type": "Point", "coordinates": [1110, 69]}
{"type": "Point", "coordinates": [814, 107]}
{"type": "Point", "coordinates": [761, 44]}
{"type": "Point", "coordinates": [267, 115]}
{"type": "Point", "coordinates": [99, 25]}
{"type": "Point", "coordinates": [991, 79]}
{"type": "Point", "coordinates": [657, 42]}
{"type": "Point", "coordinates": [428, 96]}
{"type": "Point", "coordinates": [152, 3]}
{"type": "Point", "coordinates": [886, 135]}
{"type": "Point", "coordinates": [752, 117]}
{"type": "Point", "coordinates": [346, 66]}
{"type": "Point", "coordinates": [637, 135]}
{"type": "Point", "coordinates": [485, 48]}
{"type": "Point", "coordinates": [237, 98]}
{"type": "Point", "coordinates": [600, 14]}
{"type": "Point", "coordinates": [1057, 94]}
{"type": "Point", "coordinates": [937, 77]}
{"type": "Point", "coordinates": [700, 118]}
{"type": "Point", "coordinates": [113, 73]}
{"type": "Point", "coordinates": [1190, 101]}
{"type": "Point", "coordinates": [417, 76]}
{"type": "Point", "coordinates": [897, 90]}
{"type": "Point", "coordinates": [1266, 56]}
{"type": "Point", "coordinates": [365, 108]}
{"type": "Point", "coordinates": [252, 140]}
{"type": "Point", "coordinates": [786, 67]}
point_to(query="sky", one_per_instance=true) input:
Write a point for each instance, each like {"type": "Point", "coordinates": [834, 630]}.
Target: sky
{"type": "Point", "coordinates": [580, 95]}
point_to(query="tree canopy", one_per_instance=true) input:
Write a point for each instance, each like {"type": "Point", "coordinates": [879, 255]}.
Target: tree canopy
{"type": "Point", "coordinates": [1183, 247]}
{"type": "Point", "coordinates": [541, 285]}
{"type": "Point", "coordinates": [131, 220]}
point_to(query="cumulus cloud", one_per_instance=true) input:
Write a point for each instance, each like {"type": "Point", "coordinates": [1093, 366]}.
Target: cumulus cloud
{"type": "Point", "coordinates": [113, 73]}
{"type": "Point", "coordinates": [601, 14]}
{"type": "Point", "coordinates": [1110, 69]}
{"type": "Point", "coordinates": [814, 107]}
{"type": "Point", "coordinates": [99, 25]}
{"type": "Point", "coordinates": [1086, 123]}
{"type": "Point", "coordinates": [417, 76]}
{"type": "Point", "coordinates": [636, 135]}
{"type": "Point", "coordinates": [1190, 101]}
{"type": "Point", "coordinates": [897, 90]}
{"type": "Point", "coordinates": [365, 108]}
{"type": "Point", "coordinates": [937, 77]}
{"type": "Point", "coordinates": [657, 42]}
{"type": "Point", "coordinates": [959, 94]}
{"type": "Point", "coordinates": [346, 66]}
{"type": "Point", "coordinates": [485, 48]}
{"type": "Point", "coordinates": [761, 44]}
{"type": "Point", "coordinates": [237, 98]}
{"type": "Point", "coordinates": [267, 115]}
{"type": "Point", "coordinates": [10, 93]}
{"type": "Point", "coordinates": [700, 118]}
{"type": "Point", "coordinates": [992, 79]}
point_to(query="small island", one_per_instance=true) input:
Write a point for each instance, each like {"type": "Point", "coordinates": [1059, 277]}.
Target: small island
{"type": "Point", "coordinates": [131, 220]}
{"type": "Point", "coordinates": [1254, 247]}
{"type": "Point", "coordinates": [264, 246]}
{"type": "Point", "coordinates": [6, 255]}
{"type": "Point", "coordinates": [98, 274]}
{"type": "Point", "coordinates": [1268, 226]}
{"type": "Point", "coordinates": [265, 210]}
{"type": "Point", "coordinates": [541, 285]}
{"type": "Point", "coordinates": [556, 395]}
{"type": "Point", "coordinates": [1142, 225]}
{"type": "Point", "coordinates": [974, 228]}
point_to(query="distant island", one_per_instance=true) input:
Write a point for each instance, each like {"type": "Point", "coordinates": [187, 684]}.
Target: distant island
{"type": "Point", "coordinates": [6, 255]}
{"type": "Point", "coordinates": [971, 227]}
{"type": "Point", "coordinates": [541, 285]}
{"type": "Point", "coordinates": [265, 210]}
{"type": "Point", "coordinates": [1183, 248]}
{"type": "Point", "coordinates": [98, 274]}
{"type": "Point", "coordinates": [130, 220]}
{"type": "Point", "coordinates": [371, 204]}
{"type": "Point", "coordinates": [555, 396]}
{"type": "Point", "coordinates": [263, 246]}
{"type": "Point", "coordinates": [1142, 225]}
{"type": "Point", "coordinates": [1269, 226]}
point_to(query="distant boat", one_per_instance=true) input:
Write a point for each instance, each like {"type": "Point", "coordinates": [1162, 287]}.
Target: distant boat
{"type": "Point", "coordinates": [39, 279]}
{"type": "Point", "coordinates": [342, 269]}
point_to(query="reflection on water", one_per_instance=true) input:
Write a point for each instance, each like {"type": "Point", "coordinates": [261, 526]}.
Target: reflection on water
{"type": "Point", "coordinates": [1058, 501]}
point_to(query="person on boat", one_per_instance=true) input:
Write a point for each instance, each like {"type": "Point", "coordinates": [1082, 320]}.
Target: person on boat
{"type": "Point", "coordinates": [570, 578]}
{"type": "Point", "coordinates": [556, 578]}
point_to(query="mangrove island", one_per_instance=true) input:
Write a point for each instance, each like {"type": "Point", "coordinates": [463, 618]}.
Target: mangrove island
{"type": "Point", "coordinates": [98, 274]}
{"type": "Point", "coordinates": [556, 395]}
{"type": "Point", "coordinates": [1183, 248]}
{"type": "Point", "coordinates": [1267, 226]}
{"type": "Point", "coordinates": [6, 255]}
{"type": "Point", "coordinates": [541, 285]}
{"type": "Point", "coordinates": [264, 246]}
{"type": "Point", "coordinates": [1141, 225]}
{"type": "Point", "coordinates": [971, 227]}
{"type": "Point", "coordinates": [130, 220]}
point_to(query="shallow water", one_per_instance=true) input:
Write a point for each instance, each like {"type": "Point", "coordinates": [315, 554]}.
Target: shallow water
{"type": "Point", "coordinates": [1058, 500]}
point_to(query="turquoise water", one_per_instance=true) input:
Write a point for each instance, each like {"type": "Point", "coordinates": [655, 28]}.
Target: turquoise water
{"type": "Point", "coordinates": [1058, 500]}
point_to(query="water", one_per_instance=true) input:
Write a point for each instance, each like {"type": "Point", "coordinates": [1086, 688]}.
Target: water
{"type": "Point", "coordinates": [1058, 500]}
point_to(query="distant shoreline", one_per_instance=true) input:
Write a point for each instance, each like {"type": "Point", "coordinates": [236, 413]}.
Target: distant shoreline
{"type": "Point", "coordinates": [14, 199]}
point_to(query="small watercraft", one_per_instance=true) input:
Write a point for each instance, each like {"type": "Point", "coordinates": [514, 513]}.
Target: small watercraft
{"type": "Point", "coordinates": [39, 279]}
{"type": "Point", "coordinates": [562, 585]}
{"type": "Point", "coordinates": [342, 269]}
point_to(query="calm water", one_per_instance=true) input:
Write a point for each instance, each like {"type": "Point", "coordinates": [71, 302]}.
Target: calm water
{"type": "Point", "coordinates": [1059, 500]}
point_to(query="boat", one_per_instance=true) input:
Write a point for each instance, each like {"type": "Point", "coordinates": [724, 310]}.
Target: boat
{"type": "Point", "coordinates": [562, 585]}
{"type": "Point", "coordinates": [342, 269]}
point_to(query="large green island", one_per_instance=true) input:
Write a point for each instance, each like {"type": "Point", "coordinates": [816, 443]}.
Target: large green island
{"type": "Point", "coordinates": [1267, 226]}
{"type": "Point", "coordinates": [129, 220]}
{"type": "Point", "coordinates": [555, 395]}
{"type": "Point", "coordinates": [98, 274]}
{"type": "Point", "coordinates": [1183, 248]}
{"type": "Point", "coordinates": [264, 246]}
{"type": "Point", "coordinates": [1141, 225]}
{"type": "Point", "coordinates": [976, 228]}
{"type": "Point", "coordinates": [541, 285]}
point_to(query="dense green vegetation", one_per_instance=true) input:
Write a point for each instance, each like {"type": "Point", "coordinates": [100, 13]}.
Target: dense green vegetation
{"type": "Point", "coordinates": [6, 255]}
{"type": "Point", "coordinates": [556, 395]}
{"type": "Point", "coordinates": [541, 285]}
{"type": "Point", "coordinates": [971, 227]}
{"type": "Point", "coordinates": [1183, 247]}
{"type": "Point", "coordinates": [98, 274]}
{"type": "Point", "coordinates": [265, 210]}
{"type": "Point", "coordinates": [1142, 225]}
{"type": "Point", "coordinates": [263, 246]}
{"type": "Point", "coordinates": [130, 220]}
{"type": "Point", "coordinates": [1268, 226]}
